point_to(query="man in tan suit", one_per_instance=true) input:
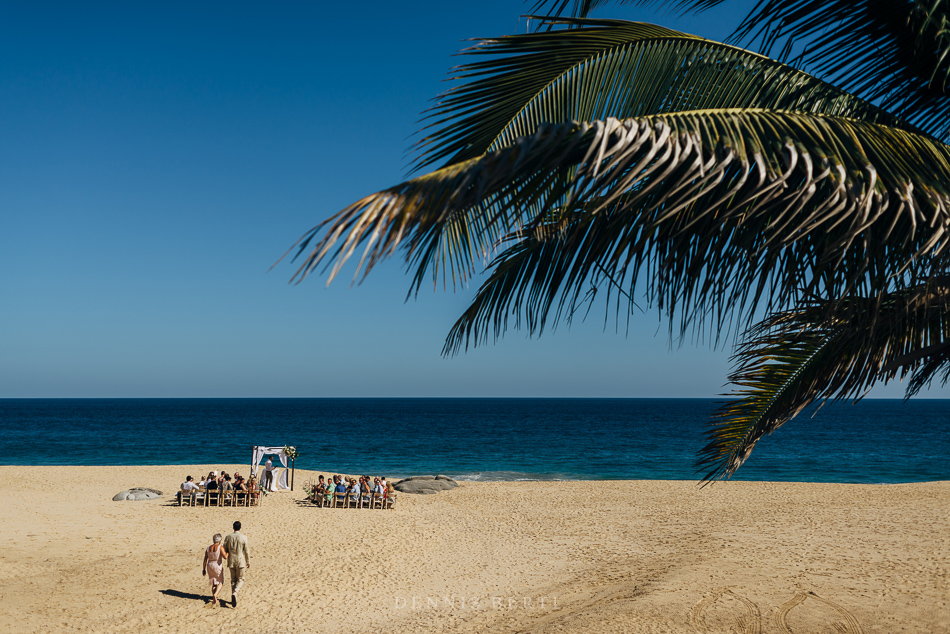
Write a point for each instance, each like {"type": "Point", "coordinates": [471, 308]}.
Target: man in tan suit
{"type": "Point", "coordinates": [238, 560]}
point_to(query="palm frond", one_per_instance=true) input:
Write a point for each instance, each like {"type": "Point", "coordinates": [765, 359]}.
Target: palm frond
{"type": "Point", "coordinates": [895, 52]}
{"type": "Point", "coordinates": [525, 285]}
{"type": "Point", "coordinates": [887, 50]}
{"type": "Point", "coordinates": [583, 8]}
{"type": "Point", "coordinates": [765, 203]}
{"type": "Point", "coordinates": [936, 364]}
{"type": "Point", "coordinates": [612, 68]}
{"type": "Point", "coordinates": [825, 350]}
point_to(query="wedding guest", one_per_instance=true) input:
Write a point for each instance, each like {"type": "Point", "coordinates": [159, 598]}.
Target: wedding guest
{"type": "Point", "coordinates": [213, 566]}
{"type": "Point", "coordinates": [328, 491]}
{"type": "Point", "coordinates": [187, 487]}
{"type": "Point", "coordinates": [365, 489]}
{"type": "Point", "coordinates": [239, 483]}
{"type": "Point", "coordinates": [238, 560]}
{"type": "Point", "coordinates": [252, 489]}
{"type": "Point", "coordinates": [319, 491]}
{"type": "Point", "coordinates": [212, 487]}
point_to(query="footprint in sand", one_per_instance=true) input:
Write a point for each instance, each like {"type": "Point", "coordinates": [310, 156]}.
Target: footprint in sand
{"type": "Point", "coordinates": [724, 612]}
{"type": "Point", "coordinates": [820, 616]}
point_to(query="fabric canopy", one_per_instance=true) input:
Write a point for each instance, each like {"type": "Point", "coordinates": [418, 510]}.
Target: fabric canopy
{"type": "Point", "coordinates": [258, 454]}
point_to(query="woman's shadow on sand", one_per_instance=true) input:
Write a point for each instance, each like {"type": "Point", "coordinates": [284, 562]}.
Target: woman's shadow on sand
{"type": "Point", "coordinates": [186, 595]}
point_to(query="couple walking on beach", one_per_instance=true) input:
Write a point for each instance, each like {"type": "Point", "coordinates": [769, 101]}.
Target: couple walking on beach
{"type": "Point", "coordinates": [233, 550]}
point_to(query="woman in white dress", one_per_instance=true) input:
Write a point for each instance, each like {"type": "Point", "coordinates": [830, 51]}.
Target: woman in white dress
{"type": "Point", "coordinates": [213, 566]}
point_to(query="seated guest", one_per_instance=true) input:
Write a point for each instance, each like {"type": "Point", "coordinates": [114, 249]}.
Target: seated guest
{"type": "Point", "coordinates": [226, 485]}
{"type": "Point", "coordinates": [319, 490]}
{"type": "Point", "coordinates": [378, 487]}
{"type": "Point", "coordinates": [340, 487]}
{"type": "Point", "coordinates": [239, 483]}
{"type": "Point", "coordinates": [365, 488]}
{"type": "Point", "coordinates": [187, 487]}
{"type": "Point", "coordinates": [212, 486]}
{"type": "Point", "coordinates": [353, 490]}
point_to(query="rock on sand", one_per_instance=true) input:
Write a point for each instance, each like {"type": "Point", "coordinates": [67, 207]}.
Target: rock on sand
{"type": "Point", "coordinates": [137, 493]}
{"type": "Point", "coordinates": [425, 484]}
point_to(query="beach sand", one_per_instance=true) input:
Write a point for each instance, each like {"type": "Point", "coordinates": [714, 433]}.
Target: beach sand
{"type": "Point", "coordinates": [624, 556]}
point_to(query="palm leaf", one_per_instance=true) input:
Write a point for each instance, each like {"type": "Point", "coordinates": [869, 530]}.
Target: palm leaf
{"type": "Point", "coordinates": [764, 203]}
{"type": "Point", "coordinates": [611, 68]}
{"type": "Point", "coordinates": [893, 52]}
{"type": "Point", "coordinates": [936, 364]}
{"type": "Point", "coordinates": [826, 350]}
{"type": "Point", "coordinates": [583, 8]}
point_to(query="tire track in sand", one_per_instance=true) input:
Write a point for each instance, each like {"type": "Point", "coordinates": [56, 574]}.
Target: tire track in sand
{"type": "Point", "coordinates": [847, 625]}
{"type": "Point", "coordinates": [749, 622]}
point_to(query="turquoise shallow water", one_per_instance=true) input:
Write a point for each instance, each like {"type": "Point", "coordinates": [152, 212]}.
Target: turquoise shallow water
{"type": "Point", "coordinates": [874, 441]}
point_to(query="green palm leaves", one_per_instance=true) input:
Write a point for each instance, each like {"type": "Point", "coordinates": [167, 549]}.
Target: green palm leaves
{"type": "Point", "coordinates": [892, 52]}
{"type": "Point", "coordinates": [612, 68]}
{"type": "Point", "coordinates": [707, 180]}
{"type": "Point", "coordinates": [819, 351]}
{"type": "Point", "coordinates": [711, 200]}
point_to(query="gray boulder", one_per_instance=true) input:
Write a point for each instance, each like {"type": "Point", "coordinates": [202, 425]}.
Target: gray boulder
{"type": "Point", "coordinates": [137, 493]}
{"type": "Point", "coordinates": [425, 484]}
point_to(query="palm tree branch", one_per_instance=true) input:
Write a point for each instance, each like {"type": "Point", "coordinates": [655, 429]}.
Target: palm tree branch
{"type": "Point", "coordinates": [896, 52]}
{"type": "Point", "coordinates": [707, 201]}
{"type": "Point", "coordinates": [823, 350]}
{"type": "Point", "coordinates": [613, 68]}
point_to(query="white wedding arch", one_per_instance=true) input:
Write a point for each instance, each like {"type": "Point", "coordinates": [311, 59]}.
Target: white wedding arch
{"type": "Point", "coordinates": [267, 480]}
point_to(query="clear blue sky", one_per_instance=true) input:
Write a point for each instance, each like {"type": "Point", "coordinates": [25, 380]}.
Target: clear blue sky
{"type": "Point", "coordinates": [157, 158]}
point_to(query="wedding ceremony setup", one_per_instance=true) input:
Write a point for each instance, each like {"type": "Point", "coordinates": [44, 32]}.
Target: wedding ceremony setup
{"type": "Point", "coordinates": [273, 478]}
{"type": "Point", "coordinates": [224, 489]}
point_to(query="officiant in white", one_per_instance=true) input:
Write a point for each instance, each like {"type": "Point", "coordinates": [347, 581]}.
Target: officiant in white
{"type": "Point", "coordinates": [273, 478]}
{"type": "Point", "coordinates": [267, 479]}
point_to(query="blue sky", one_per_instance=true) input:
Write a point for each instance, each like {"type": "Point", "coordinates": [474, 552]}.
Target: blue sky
{"type": "Point", "coordinates": [158, 158]}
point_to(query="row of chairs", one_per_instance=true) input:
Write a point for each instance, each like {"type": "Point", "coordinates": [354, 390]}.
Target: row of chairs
{"type": "Point", "coordinates": [219, 498]}
{"type": "Point", "coordinates": [345, 501]}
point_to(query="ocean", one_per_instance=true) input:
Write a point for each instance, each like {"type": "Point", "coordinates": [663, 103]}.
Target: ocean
{"type": "Point", "coordinates": [873, 441]}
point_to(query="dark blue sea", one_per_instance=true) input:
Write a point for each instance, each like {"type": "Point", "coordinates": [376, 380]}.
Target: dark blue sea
{"type": "Point", "coordinates": [874, 441]}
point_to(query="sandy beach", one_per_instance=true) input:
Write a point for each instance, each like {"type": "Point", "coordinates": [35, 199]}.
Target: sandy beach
{"type": "Point", "coordinates": [624, 556]}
